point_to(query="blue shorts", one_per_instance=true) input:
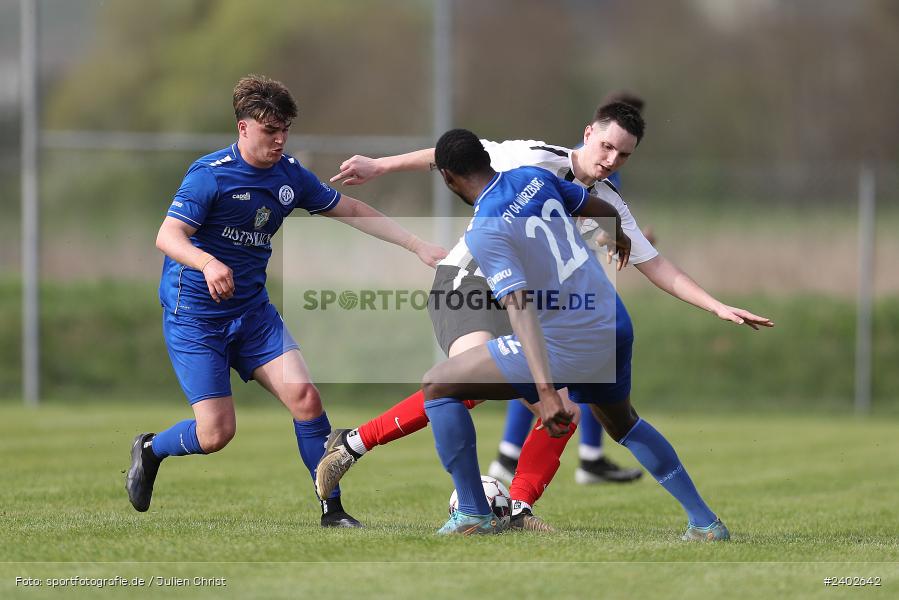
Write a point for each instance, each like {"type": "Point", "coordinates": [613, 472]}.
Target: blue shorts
{"type": "Point", "coordinates": [203, 350]}
{"type": "Point", "coordinates": [514, 367]}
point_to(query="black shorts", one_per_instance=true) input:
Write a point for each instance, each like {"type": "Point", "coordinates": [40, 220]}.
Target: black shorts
{"type": "Point", "coordinates": [468, 308]}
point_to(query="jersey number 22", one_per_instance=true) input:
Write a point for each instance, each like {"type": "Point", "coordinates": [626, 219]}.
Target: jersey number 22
{"type": "Point", "coordinates": [578, 253]}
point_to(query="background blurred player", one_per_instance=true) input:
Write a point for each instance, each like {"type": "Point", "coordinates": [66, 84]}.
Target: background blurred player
{"type": "Point", "coordinates": [217, 315]}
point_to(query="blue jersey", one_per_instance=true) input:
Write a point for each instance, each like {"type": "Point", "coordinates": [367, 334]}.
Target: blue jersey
{"type": "Point", "coordinates": [524, 237]}
{"type": "Point", "coordinates": [236, 209]}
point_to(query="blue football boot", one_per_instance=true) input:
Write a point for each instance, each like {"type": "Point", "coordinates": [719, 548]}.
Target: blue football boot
{"type": "Point", "coordinates": [716, 532]}
{"type": "Point", "coordinates": [462, 524]}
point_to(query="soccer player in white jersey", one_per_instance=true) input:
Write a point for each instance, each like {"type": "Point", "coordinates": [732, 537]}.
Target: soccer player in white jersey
{"type": "Point", "coordinates": [609, 139]}
{"type": "Point", "coordinates": [216, 238]}
{"type": "Point", "coordinates": [594, 466]}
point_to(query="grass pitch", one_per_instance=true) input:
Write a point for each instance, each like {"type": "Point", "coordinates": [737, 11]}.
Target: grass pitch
{"type": "Point", "coordinates": [805, 498]}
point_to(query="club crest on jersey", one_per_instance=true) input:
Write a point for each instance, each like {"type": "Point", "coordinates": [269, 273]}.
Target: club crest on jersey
{"type": "Point", "coordinates": [262, 216]}
{"type": "Point", "coordinates": [285, 195]}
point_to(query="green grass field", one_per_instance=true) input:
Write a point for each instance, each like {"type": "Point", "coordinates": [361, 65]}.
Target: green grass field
{"type": "Point", "coordinates": [806, 497]}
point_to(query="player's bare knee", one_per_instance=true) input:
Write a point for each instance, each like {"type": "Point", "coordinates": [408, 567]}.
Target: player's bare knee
{"type": "Point", "coordinates": [216, 438]}
{"type": "Point", "coordinates": [304, 402]}
{"type": "Point", "coordinates": [616, 419]}
{"type": "Point", "coordinates": [616, 434]}
{"type": "Point", "coordinates": [622, 426]}
{"type": "Point", "coordinates": [430, 385]}
{"type": "Point", "coordinates": [618, 428]}
{"type": "Point", "coordinates": [434, 385]}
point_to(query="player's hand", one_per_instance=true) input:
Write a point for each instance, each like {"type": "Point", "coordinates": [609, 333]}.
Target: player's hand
{"type": "Point", "coordinates": [602, 238]}
{"type": "Point", "coordinates": [357, 170]}
{"type": "Point", "coordinates": [618, 249]}
{"type": "Point", "coordinates": [219, 280]}
{"type": "Point", "coordinates": [430, 254]}
{"type": "Point", "coordinates": [555, 419]}
{"type": "Point", "coordinates": [742, 317]}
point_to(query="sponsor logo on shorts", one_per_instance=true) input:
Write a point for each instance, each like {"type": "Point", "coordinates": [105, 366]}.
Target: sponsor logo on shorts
{"type": "Point", "coordinates": [507, 344]}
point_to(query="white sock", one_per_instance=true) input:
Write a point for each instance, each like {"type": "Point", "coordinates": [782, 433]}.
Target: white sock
{"type": "Point", "coordinates": [354, 441]}
{"type": "Point", "coordinates": [589, 452]}
{"type": "Point", "coordinates": [518, 506]}
{"type": "Point", "coordinates": [509, 449]}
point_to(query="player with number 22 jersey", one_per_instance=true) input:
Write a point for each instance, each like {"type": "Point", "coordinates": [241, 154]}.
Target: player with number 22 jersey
{"type": "Point", "coordinates": [530, 242]}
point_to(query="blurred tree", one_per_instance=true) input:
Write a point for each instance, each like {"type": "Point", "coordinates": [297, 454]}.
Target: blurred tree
{"type": "Point", "coordinates": [770, 81]}
{"type": "Point", "coordinates": [171, 65]}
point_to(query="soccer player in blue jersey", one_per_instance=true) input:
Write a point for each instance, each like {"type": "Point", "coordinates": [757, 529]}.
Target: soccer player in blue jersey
{"type": "Point", "coordinates": [522, 236]}
{"type": "Point", "coordinates": [217, 316]}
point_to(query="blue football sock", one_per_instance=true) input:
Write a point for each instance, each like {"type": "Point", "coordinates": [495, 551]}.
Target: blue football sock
{"type": "Point", "coordinates": [518, 424]}
{"type": "Point", "coordinates": [454, 437]}
{"type": "Point", "coordinates": [311, 438]}
{"type": "Point", "coordinates": [591, 430]}
{"type": "Point", "coordinates": [658, 457]}
{"type": "Point", "coordinates": [177, 440]}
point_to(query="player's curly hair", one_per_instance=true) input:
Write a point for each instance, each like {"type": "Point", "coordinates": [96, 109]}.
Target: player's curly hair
{"type": "Point", "coordinates": [263, 99]}
{"type": "Point", "coordinates": [627, 117]}
{"type": "Point", "coordinates": [460, 151]}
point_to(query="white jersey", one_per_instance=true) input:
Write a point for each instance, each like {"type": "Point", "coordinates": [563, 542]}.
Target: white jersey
{"type": "Point", "coordinates": [557, 160]}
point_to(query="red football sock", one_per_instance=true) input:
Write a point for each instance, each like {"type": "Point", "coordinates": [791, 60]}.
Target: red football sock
{"type": "Point", "coordinates": [398, 421]}
{"type": "Point", "coordinates": [538, 463]}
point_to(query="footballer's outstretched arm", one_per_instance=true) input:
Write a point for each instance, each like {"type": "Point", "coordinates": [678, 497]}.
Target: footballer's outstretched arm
{"type": "Point", "coordinates": [361, 216]}
{"type": "Point", "coordinates": [359, 169]}
{"type": "Point", "coordinates": [174, 240]}
{"type": "Point", "coordinates": [523, 319]}
{"type": "Point", "coordinates": [669, 277]}
{"type": "Point", "coordinates": [666, 275]}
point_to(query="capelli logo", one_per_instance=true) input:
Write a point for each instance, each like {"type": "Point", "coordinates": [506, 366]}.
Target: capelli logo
{"type": "Point", "coordinates": [244, 196]}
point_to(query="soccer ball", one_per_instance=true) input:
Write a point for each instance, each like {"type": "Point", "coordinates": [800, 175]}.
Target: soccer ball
{"type": "Point", "coordinates": [497, 497]}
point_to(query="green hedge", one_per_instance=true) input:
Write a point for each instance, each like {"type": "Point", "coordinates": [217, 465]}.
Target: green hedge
{"type": "Point", "coordinates": [103, 339]}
